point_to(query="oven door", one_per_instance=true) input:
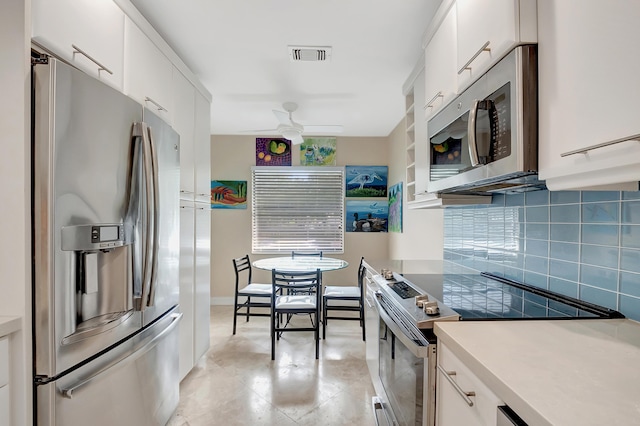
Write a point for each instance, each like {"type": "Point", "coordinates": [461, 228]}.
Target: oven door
{"type": "Point", "coordinates": [407, 371]}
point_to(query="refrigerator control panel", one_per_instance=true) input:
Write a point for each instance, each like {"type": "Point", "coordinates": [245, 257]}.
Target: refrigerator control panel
{"type": "Point", "coordinates": [104, 236]}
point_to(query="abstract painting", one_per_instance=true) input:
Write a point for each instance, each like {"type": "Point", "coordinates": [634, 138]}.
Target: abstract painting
{"type": "Point", "coordinates": [273, 152]}
{"type": "Point", "coordinates": [367, 216]}
{"type": "Point", "coordinates": [395, 208]}
{"type": "Point", "coordinates": [366, 181]}
{"type": "Point", "coordinates": [228, 194]}
{"type": "Point", "coordinates": [318, 152]}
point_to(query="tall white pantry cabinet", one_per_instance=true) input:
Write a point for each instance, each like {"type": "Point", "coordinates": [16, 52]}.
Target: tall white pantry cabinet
{"type": "Point", "coordinates": [123, 50]}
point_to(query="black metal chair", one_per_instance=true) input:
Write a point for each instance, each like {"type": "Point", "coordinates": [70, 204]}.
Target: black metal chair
{"type": "Point", "coordinates": [285, 304]}
{"type": "Point", "coordinates": [345, 299]}
{"type": "Point", "coordinates": [249, 290]}
{"type": "Point", "coordinates": [295, 254]}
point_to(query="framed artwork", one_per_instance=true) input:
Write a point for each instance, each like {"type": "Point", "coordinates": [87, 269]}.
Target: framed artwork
{"type": "Point", "coordinates": [273, 152]}
{"type": "Point", "coordinates": [395, 208]}
{"type": "Point", "coordinates": [318, 152]}
{"type": "Point", "coordinates": [228, 194]}
{"type": "Point", "coordinates": [366, 181]}
{"type": "Point", "coordinates": [366, 216]}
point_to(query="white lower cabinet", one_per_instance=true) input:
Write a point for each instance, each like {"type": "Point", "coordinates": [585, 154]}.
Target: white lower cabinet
{"type": "Point", "coordinates": [202, 284]}
{"type": "Point", "coordinates": [461, 397]}
{"type": "Point", "coordinates": [5, 413]}
{"type": "Point", "coordinates": [195, 251]}
{"type": "Point", "coordinates": [187, 301]}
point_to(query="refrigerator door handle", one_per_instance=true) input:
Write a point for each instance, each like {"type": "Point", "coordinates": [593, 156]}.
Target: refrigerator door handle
{"type": "Point", "coordinates": [156, 221]}
{"type": "Point", "coordinates": [68, 392]}
{"type": "Point", "coordinates": [141, 131]}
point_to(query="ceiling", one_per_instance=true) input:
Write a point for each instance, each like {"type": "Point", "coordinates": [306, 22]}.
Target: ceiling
{"type": "Point", "coordinates": [239, 51]}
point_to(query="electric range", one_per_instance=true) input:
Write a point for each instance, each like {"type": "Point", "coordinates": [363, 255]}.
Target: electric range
{"type": "Point", "coordinates": [482, 296]}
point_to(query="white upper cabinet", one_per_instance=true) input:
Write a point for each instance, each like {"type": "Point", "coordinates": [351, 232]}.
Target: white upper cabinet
{"type": "Point", "coordinates": [148, 73]}
{"type": "Point", "coordinates": [87, 34]}
{"type": "Point", "coordinates": [588, 93]}
{"type": "Point", "coordinates": [488, 30]}
{"type": "Point", "coordinates": [202, 149]}
{"type": "Point", "coordinates": [184, 123]}
{"type": "Point", "coordinates": [440, 66]}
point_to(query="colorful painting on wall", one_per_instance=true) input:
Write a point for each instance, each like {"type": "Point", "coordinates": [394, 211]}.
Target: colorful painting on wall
{"type": "Point", "coordinates": [367, 216]}
{"type": "Point", "coordinates": [273, 152]}
{"type": "Point", "coordinates": [318, 152]}
{"type": "Point", "coordinates": [395, 208]}
{"type": "Point", "coordinates": [366, 181]}
{"type": "Point", "coordinates": [228, 194]}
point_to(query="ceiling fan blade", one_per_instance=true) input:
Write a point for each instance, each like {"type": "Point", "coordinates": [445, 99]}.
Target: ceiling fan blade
{"type": "Point", "coordinates": [283, 117]}
{"type": "Point", "coordinates": [297, 140]}
{"type": "Point", "coordinates": [329, 129]}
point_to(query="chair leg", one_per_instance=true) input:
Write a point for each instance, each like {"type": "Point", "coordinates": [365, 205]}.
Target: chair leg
{"type": "Point", "coordinates": [324, 318]}
{"type": "Point", "coordinates": [274, 318]}
{"type": "Point", "coordinates": [235, 313]}
{"type": "Point", "coordinates": [317, 335]}
{"type": "Point", "coordinates": [364, 334]}
{"type": "Point", "coordinates": [248, 306]}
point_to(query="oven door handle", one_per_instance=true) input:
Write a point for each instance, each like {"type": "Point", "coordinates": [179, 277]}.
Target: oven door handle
{"type": "Point", "coordinates": [414, 348]}
{"type": "Point", "coordinates": [377, 404]}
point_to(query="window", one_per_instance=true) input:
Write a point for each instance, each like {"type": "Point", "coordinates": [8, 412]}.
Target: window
{"type": "Point", "coordinates": [297, 208]}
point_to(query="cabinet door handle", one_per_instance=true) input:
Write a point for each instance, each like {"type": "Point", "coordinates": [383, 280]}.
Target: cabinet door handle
{"type": "Point", "coordinates": [484, 48]}
{"type": "Point", "coordinates": [160, 107]}
{"type": "Point", "coordinates": [101, 67]}
{"type": "Point", "coordinates": [465, 395]}
{"type": "Point", "coordinates": [600, 145]}
{"type": "Point", "coordinates": [436, 96]}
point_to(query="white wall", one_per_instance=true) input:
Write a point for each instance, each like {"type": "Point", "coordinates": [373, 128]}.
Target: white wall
{"type": "Point", "coordinates": [422, 236]}
{"type": "Point", "coordinates": [231, 159]}
{"type": "Point", "coordinates": [15, 251]}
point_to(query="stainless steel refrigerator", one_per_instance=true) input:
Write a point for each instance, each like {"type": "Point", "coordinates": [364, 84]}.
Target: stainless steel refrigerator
{"type": "Point", "coordinates": [106, 182]}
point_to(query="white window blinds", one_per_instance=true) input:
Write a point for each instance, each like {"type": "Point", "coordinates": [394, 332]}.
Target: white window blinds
{"type": "Point", "coordinates": [297, 208]}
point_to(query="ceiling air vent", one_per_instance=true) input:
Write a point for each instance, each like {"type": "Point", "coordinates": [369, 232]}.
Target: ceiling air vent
{"type": "Point", "coordinates": [309, 53]}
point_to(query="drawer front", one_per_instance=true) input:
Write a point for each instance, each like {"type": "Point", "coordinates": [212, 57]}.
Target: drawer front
{"type": "Point", "coordinates": [453, 407]}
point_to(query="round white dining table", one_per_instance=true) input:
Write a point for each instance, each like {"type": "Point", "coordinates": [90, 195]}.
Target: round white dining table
{"type": "Point", "coordinates": [301, 263]}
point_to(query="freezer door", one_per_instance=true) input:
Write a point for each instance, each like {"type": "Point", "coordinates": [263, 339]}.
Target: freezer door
{"type": "Point", "coordinates": [82, 297]}
{"type": "Point", "coordinates": [134, 384]}
{"type": "Point", "coordinates": [165, 288]}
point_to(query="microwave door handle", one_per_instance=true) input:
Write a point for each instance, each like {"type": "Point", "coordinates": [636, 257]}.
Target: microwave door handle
{"type": "Point", "coordinates": [471, 134]}
{"type": "Point", "coordinates": [155, 216]}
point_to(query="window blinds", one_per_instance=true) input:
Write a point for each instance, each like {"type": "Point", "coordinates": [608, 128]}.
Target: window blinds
{"type": "Point", "coordinates": [297, 208]}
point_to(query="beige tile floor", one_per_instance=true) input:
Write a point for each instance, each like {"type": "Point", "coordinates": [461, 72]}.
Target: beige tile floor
{"type": "Point", "coordinates": [236, 383]}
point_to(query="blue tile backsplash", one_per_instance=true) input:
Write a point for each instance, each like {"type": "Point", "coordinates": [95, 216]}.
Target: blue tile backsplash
{"type": "Point", "coordinates": [584, 244]}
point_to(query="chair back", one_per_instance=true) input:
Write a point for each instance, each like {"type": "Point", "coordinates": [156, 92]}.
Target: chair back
{"type": "Point", "coordinates": [241, 264]}
{"type": "Point", "coordinates": [295, 254]}
{"type": "Point", "coordinates": [295, 280]}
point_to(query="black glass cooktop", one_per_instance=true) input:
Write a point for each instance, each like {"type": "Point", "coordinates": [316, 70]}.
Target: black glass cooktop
{"type": "Point", "coordinates": [485, 296]}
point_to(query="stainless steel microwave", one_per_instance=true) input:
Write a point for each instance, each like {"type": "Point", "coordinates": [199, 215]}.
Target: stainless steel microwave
{"type": "Point", "coordinates": [486, 139]}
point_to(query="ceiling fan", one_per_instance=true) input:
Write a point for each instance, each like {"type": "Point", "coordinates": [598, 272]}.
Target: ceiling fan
{"type": "Point", "coordinates": [293, 131]}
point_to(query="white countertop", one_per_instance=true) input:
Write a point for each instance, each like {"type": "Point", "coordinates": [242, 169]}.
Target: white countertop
{"type": "Point", "coordinates": [571, 372]}
{"type": "Point", "coordinates": [9, 324]}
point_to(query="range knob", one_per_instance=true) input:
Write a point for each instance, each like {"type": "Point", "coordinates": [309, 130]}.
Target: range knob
{"type": "Point", "coordinates": [431, 307]}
